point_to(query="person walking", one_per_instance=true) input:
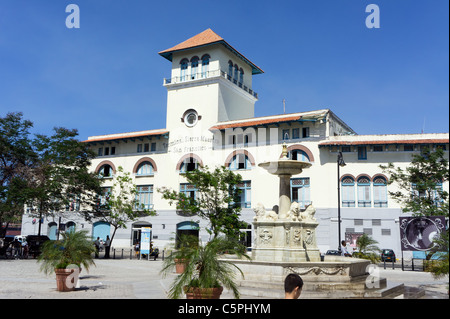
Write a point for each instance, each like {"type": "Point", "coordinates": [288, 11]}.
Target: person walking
{"type": "Point", "coordinates": [107, 246]}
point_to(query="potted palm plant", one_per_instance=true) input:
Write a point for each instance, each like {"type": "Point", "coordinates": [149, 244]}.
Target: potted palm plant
{"type": "Point", "coordinates": [183, 248]}
{"type": "Point", "coordinates": [66, 256]}
{"type": "Point", "coordinates": [206, 273]}
{"type": "Point", "coordinates": [368, 249]}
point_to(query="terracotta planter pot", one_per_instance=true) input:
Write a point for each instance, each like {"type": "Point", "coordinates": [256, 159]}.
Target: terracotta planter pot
{"type": "Point", "coordinates": [63, 283]}
{"type": "Point", "coordinates": [180, 265]}
{"type": "Point", "coordinates": [203, 293]}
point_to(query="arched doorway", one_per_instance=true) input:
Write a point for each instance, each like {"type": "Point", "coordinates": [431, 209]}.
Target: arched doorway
{"type": "Point", "coordinates": [70, 226]}
{"type": "Point", "coordinates": [101, 229]}
{"type": "Point", "coordinates": [136, 231]}
{"type": "Point", "coordinates": [52, 230]}
{"type": "Point", "coordinates": [186, 229]}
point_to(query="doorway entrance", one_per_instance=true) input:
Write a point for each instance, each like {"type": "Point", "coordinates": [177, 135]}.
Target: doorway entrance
{"type": "Point", "coordinates": [185, 229]}
{"type": "Point", "coordinates": [136, 232]}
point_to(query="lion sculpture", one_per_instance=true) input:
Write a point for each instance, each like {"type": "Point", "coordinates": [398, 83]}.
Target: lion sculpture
{"type": "Point", "coordinates": [308, 213]}
{"type": "Point", "coordinates": [294, 212]}
{"type": "Point", "coordinates": [262, 214]}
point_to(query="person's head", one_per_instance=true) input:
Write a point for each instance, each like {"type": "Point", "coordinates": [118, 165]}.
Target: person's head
{"type": "Point", "coordinates": [343, 243]}
{"type": "Point", "coordinates": [293, 285]}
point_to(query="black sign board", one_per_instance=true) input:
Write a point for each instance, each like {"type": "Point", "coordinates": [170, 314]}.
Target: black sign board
{"type": "Point", "coordinates": [418, 233]}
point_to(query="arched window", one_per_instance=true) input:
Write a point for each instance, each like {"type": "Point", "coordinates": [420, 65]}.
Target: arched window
{"type": "Point", "coordinates": [230, 70]}
{"type": "Point", "coordinates": [194, 67]}
{"type": "Point", "coordinates": [73, 204]}
{"type": "Point", "coordinates": [240, 161]}
{"type": "Point", "coordinates": [298, 155]}
{"type": "Point", "coordinates": [145, 169]}
{"type": "Point", "coordinates": [300, 191]}
{"type": "Point", "coordinates": [184, 66]}
{"type": "Point", "coordinates": [144, 197]}
{"type": "Point", "coordinates": [241, 76]}
{"type": "Point", "coordinates": [236, 73]}
{"type": "Point", "coordinates": [364, 192]}
{"type": "Point", "coordinates": [245, 195]}
{"type": "Point", "coordinates": [205, 65]}
{"type": "Point", "coordinates": [189, 164]}
{"type": "Point", "coordinates": [379, 191]}
{"type": "Point", "coordinates": [70, 227]}
{"type": "Point", "coordinates": [348, 191]}
{"type": "Point", "coordinates": [106, 171]}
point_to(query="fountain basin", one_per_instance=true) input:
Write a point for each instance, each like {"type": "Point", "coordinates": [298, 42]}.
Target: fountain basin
{"type": "Point", "coordinates": [284, 167]}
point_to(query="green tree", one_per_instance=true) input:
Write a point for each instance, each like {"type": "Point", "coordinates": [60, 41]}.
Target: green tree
{"type": "Point", "coordinates": [421, 193]}
{"type": "Point", "coordinates": [216, 200]}
{"type": "Point", "coordinates": [420, 185]}
{"type": "Point", "coordinates": [122, 204]}
{"type": "Point", "coordinates": [44, 172]}
{"type": "Point", "coordinates": [16, 157]}
{"type": "Point", "coordinates": [60, 175]}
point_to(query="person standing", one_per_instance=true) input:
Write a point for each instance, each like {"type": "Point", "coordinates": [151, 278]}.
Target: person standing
{"type": "Point", "coordinates": [97, 246]}
{"type": "Point", "coordinates": [107, 246]}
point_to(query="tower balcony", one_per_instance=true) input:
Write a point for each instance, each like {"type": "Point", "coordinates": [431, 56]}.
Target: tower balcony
{"type": "Point", "coordinates": [201, 76]}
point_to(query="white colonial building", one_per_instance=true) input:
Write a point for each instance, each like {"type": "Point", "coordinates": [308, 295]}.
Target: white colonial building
{"type": "Point", "coordinates": [210, 122]}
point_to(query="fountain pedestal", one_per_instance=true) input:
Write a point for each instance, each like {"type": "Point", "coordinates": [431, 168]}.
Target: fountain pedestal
{"type": "Point", "coordinates": [285, 240]}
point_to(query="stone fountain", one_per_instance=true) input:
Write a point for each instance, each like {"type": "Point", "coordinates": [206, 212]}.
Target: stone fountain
{"type": "Point", "coordinates": [285, 242]}
{"type": "Point", "coordinates": [288, 236]}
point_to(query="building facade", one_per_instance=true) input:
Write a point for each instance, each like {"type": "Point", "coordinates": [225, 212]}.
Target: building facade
{"type": "Point", "coordinates": [211, 122]}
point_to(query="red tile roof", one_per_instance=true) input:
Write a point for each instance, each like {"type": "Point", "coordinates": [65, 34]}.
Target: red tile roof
{"type": "Point", "coordinates": [377, 142]}
{"type": "Point", "coordinates": [124, 136]}
{"type": "Point", "coordinates": [206, 37]}
{"type": "Point", "coordinates": [256, 122]}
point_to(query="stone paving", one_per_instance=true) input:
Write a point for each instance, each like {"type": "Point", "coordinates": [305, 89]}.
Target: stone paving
{"type": "Point", "coordinates": [140, 279]}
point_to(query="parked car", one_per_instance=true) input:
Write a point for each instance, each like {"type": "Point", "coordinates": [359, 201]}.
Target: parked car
{"type": "Point", "coordinates": [333, 252]}
{"type": "Point", "coordinates": [34, 244]}
{"type": "Point", "coordinates": [388, 255]}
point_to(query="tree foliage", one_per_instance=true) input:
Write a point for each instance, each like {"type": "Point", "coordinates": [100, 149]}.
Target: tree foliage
{"type": "Point", "coordinates": [16, 156]}
{"type": "Point", "coordinates": [367, 248]}
{"type": "Point", "coordinates": [420, 184]}
{"type": "Point", "coordinates": [421, 193]}
{"type": "Point", "coordinates": [47, 173]}
{"type": "Point", "coordinates": [121, 205]}
{"type": "Point", "coordinates": [204, 267]}
{"type": "Point", "coordinates": [75, 248]}
{"type": "Point", "coordinates": [216, 200]}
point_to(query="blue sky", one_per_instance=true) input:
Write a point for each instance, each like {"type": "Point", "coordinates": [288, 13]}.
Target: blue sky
{"type": "Point", "coordinates": [106, 77]}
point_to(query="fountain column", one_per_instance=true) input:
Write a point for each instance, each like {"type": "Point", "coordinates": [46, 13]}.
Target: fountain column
{"type": "Point", "coordinates": [285, 195]}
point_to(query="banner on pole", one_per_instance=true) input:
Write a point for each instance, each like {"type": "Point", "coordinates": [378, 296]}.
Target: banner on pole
{"type": "Point", "coordinates": [418, 233]}
{"type": "Point", "coordinates": [145, 240]}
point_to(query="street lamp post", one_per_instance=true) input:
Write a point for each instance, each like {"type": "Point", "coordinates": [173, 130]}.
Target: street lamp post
{"type": "Point", "coordinates": [340, 162]}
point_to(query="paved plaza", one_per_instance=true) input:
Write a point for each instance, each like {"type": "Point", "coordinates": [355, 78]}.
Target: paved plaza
{"type": "Point", "coordinates": [140, 279]}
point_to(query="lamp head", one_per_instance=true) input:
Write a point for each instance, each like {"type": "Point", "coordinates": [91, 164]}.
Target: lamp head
{"type": "Point", "coordinates": [340, 160]}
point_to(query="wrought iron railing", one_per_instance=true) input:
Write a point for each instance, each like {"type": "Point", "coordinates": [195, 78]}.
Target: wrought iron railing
{"type": "Point", "coordinates": [209, 74]}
